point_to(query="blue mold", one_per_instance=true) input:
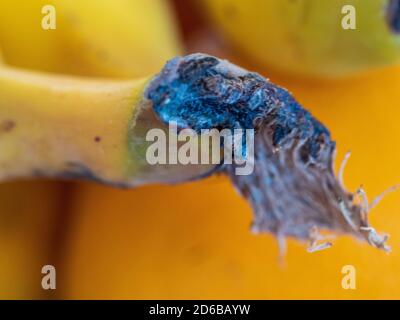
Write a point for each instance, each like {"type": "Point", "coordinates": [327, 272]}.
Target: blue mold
{"type": "Point", "coordinates": [202, 92]}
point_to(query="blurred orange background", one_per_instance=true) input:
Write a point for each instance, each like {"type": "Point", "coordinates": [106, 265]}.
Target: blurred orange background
{"type": "Point", "coordinates": [192, 241]}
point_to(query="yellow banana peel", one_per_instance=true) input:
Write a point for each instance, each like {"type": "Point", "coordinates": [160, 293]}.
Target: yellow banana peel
{"type": "Point", "coordinates": [310, 37]}
{"type": "Point", "coordinates": [126, 246]}
{"type": "Point", "coordinates": [28, 217]}
{"type": "Point", "coordinates": [60, 126]}
{"type": "Point", "coordinates": [108, 38]}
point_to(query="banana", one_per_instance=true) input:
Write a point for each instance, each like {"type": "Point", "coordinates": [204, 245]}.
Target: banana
{"type": "Point", "coordinates": [28, 222]}
{"type": "Point", "coordinates": [108, 38]}
{"type": "Point", "coordinates": [306, 37]}
{"type": "Point", "coordinates": [107, 227]}
{"type": "Point", "coordinates": [28, 212]}
{"type": "Point", "coordinates": [192, 241]}
{"type": "Point", "coordinates": [42, 116]}
{"type": "Point", "coordinates": [122, 38]}
{"type": "Point", "coordinates": [60, 126]}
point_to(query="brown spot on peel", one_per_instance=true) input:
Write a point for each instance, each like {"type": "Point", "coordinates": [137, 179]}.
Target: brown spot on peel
{"type": "Point", "coordinates": [7, 125]}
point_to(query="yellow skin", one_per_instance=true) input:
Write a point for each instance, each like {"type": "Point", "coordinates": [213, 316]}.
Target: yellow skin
{"type": "Point", "coordinates": [125, 244]}
{"type": "Point", "coordinates": [108, 38]}
{"type": "Point", "coordinates": [123, 38]}
{"type": "Point", "coordinates": [28, 212]}
{"type": "Point", "coordinates": [98, 38]}
{"type": "Point", "coordinates": [68, 127]}
{"type": "Point", "coordinates": [57, 120]}
{"type": "Point", "coordinates": [192, 241]}
{"type": "Point", "coordinates": [306, 37]}
{"type": "Point", "coordinates": [143, 243]}
{"type": "Point", "coordinates": [29, 233]}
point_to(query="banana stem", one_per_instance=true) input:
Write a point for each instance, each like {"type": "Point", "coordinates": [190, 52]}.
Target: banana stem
{"type": "Point", "coordinates": [76, 128]}
{"type": "Point", "coordinates": [54, 126]}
